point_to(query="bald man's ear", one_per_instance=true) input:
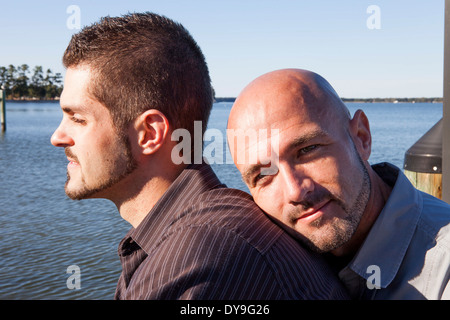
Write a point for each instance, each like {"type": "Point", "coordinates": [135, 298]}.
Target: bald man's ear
{"type": "Point", "coordinates": [152, 129]}
{"type": "Point", "coordinates": [360, 132]}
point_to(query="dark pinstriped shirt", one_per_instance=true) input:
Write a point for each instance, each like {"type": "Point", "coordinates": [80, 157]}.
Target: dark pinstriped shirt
{"type": "Point", "coordinates": [205, 241]}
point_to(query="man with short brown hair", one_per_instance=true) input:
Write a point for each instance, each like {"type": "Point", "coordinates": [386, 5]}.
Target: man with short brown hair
{"type": "Point", "coordinates": [131, 81]}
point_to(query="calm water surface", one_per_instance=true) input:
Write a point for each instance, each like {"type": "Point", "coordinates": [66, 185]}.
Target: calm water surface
{"type": "Point", "coordinates": [43, 232]}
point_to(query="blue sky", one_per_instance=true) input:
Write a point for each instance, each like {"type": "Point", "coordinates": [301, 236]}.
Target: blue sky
{"type": "Point", "coordinates": [244, 39]}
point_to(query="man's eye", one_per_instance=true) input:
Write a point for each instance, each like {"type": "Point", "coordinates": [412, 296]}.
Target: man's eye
{"type": "Point", "coordinates": [77, 120]}
{"type": "Point", "coordinates": [307, 149]}
{"type": "Point", "coordinates": [260, 179]}
{"type": "Point", "coordinates": [257, 178]}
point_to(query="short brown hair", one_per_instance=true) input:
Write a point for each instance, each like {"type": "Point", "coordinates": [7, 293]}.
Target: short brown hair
{"type": "Point", "coordinates": [144, 61]}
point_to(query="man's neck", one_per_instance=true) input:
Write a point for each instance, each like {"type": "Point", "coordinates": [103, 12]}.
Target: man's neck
{"type": "Point", "coordinates": [379, 194]}
{"type": "Point", "coordinates": [142, 194]}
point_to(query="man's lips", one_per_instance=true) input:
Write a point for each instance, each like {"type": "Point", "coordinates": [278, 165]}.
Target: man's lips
{"type": "Point", "coordinates": [313, 211]}
{"type": "Point", "coordinates": [72, 162]}
{"type": "Point", "coordinates": [70, 156]}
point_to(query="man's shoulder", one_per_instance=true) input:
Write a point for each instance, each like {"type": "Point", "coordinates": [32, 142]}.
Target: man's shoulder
{"type": "Point", "coordinates": [232, 202]}
{"type": "Point", "coordinates": [435, 218]}
{"type": "Point", "coordinates": [433, 214]}
{"type": "Point", "coordinates": [222, 239]}
{"type": "Point", "coordinates": [227, 195]}
{"type": "Point", "coordinates": [225, 225]}
{"type": "Point", "coordinates": [231, 210]}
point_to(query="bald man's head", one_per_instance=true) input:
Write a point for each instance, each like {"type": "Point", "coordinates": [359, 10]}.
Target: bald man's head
{"type": "Point", "coordinates": [293, 122]}
{"type": "Point", "coordinates": [273, 91]}
{"type": "Point", "coordinates": [278, 95]}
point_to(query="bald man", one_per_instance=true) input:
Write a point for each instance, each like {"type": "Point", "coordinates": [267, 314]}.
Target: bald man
{"type": "Point", "coordinates": [305, 162]}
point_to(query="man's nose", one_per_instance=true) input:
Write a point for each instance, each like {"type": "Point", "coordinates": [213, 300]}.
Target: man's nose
{"type": "Point", "coordinates": [296, 184]}
{"type": "Point", "coordinates": [60, 138]}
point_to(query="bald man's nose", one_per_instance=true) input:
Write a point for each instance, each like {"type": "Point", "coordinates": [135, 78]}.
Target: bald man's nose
{"type": "Point", "coordinates": [296, 185]}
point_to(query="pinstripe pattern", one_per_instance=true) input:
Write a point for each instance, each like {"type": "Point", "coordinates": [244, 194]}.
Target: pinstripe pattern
{"type": "Point", "coordinates": [205, 241]}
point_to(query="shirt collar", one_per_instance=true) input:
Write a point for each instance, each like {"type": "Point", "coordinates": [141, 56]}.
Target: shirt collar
{"type": "Point", "coordinates": [194, 180]}
{"type": "Point", "coordinates": [391, 234]}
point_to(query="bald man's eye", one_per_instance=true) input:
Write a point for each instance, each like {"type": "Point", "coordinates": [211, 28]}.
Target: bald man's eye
{"type": "Point", "coordinates": [307, 149]}
{"type": "Point", "coordinates": [260, 180]}
{"type": "Point", "coordinates": [257, 178]}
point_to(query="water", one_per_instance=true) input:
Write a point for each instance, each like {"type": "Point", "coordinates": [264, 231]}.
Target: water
{"type": "Point", "coordinates": [43, 232]}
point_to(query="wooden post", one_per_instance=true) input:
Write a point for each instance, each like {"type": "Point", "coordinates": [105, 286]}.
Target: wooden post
{"type": "Point", "coordinates": [430, 183]}
{"type": "Point", "coordinates": [3, 110]}
{"type": "Point", "coordinates": [427, 163]}
{"type": "Point", "coordinates": [423, 162]}
{"type": "Point", "coordinates": [446, 109]}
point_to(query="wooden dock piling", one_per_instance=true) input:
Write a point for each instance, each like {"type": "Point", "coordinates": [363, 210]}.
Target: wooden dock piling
{"type": "Point", "coordinates": [423, 162]}
{"type": "Point", "coordinates": [430, 183]}
{"type": "Point", "coordinates": [446, 109]}
{"type": "Point", "coordinates": [3, 110]}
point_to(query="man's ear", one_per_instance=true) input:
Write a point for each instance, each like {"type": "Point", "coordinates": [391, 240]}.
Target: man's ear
{"type": "Point", "coordinates": [360, 132]}
{"type": "Point", "coordinates": [152, 128]}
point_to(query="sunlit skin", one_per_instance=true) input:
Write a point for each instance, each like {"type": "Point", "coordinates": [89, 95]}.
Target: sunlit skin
{"type": "Point", "coordinates": [323, 189]}
{"type": "Point", "coordinates": [132, 169]}
{"type": "Point", "coordinates": [97, 158]}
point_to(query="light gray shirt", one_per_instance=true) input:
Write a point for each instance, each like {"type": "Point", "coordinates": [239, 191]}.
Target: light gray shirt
{"type": "Point", "coordinates": [407, 252]}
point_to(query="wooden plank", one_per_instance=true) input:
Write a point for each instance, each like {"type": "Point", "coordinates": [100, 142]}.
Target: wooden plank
{"type": "Point", "coordinates": [430, 183]}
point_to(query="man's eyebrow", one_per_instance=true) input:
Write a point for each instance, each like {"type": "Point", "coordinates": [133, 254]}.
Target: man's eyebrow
{"type": "Point", "coordinates": [251, 170]}
{"type": "Point", "coordinates": [304, 139]}
{"type": "Point", "coordinates": [72, 109]}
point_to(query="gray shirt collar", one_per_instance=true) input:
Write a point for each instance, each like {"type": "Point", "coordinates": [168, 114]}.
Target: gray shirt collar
{"type": "Point", "coordinates": [391, 234]}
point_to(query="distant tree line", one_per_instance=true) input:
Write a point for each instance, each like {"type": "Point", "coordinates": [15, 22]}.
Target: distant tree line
{"type": "Point", "coordinates": [23, 83]}
{"type": "Point", "coordinates": [224, 99]}
{"type": "Point", "coordinates": [411, 100]}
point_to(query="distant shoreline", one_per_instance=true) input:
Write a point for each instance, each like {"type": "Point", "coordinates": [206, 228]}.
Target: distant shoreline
{"type": "Point", "coordinates": [32, 100]}
{"type": "Point", "coordinates": [367, 100]}
{"type": "Point", "coordinates": [232, 99]}
{"type": "Point", "coordinates": [395, 100]}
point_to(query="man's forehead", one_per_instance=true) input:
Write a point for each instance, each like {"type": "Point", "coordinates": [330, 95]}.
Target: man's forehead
{"type": "Point", "coordinates": [263, 142]}
{"type": "Point", "coordinates": [75, 102]}
{"type": "Point", "coordinates": [285, 111]}
{"type": "Point", "coordinates": [75, 95]}
{"type": "Point", "coordinates": [252, 141]}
